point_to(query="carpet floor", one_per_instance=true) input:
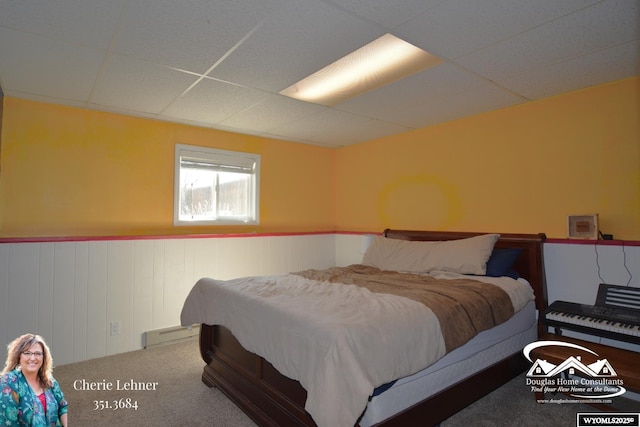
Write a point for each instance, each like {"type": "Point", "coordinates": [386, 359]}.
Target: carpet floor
{"type": "Point", "coordinates": [162, 387]}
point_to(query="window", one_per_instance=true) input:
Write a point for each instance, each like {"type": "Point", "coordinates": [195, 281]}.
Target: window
{"type": "Point", "coordinates": [215, 186]}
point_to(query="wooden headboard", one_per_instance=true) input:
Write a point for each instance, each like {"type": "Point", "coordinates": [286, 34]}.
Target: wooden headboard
{"type": "Point", "coordinates": [528, 265]}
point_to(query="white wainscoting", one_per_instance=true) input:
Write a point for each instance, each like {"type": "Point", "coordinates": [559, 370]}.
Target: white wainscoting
{"type": "Point", "coordinates": [574, 271]}
{"type": "Point", "coordinates": [71, 292]}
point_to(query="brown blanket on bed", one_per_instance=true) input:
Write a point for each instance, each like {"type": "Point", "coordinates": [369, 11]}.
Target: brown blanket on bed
{"type": "Point", "coordinates": [463, 306]}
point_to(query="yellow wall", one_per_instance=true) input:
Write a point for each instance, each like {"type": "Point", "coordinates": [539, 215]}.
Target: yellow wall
{"type": "Point", "coordinates": [74, 172]}
{"type": "Point", "coordinates": [520, 169]}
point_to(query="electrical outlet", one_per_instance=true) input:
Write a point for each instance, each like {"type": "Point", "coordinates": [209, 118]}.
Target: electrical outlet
{"type": "Point", "coordinates": [115, 328]}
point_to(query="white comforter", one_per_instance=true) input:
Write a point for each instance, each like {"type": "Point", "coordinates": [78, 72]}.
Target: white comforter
{"type": "Point", "coordinates": [339, 341]}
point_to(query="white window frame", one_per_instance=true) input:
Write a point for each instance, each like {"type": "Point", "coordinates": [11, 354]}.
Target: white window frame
{"type": "Point", "coordinates": [234, 160]}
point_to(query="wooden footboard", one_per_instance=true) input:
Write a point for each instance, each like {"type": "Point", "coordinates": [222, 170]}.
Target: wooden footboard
{"type": "Point", "coordinates": [272, 399]}
{"type": "Point", "coordinates": [264, 394]}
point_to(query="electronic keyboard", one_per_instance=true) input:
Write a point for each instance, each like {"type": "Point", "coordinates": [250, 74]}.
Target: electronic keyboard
{"type": "Point", "coordinates": [616, 314]}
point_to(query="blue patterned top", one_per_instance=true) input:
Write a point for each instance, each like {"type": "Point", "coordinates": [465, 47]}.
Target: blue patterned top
{"type": "Point", "coordinates": [19, 405]}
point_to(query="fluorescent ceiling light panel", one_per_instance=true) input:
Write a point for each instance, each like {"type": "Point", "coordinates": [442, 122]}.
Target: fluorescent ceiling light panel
{"type": "Point", "coordinates": [374, 65]}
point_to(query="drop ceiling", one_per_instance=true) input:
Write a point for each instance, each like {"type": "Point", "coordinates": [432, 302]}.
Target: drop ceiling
{"type": "Point", "coordinates": [221, 63]}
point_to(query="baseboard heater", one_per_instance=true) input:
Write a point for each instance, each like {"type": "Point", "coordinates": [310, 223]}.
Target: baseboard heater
{"type": "Point", "coordinates": [170, 335]}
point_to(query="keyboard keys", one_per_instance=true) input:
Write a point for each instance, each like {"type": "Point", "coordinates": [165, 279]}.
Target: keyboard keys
{"type": "Point", "coordinates": [616, 327]}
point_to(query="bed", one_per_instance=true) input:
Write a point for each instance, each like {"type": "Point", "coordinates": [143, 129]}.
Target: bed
{"type": "Point", "coordinates": [451, 380]}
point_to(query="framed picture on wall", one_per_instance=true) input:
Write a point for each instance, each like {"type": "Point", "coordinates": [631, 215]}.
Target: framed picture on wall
{"type": "Point", "coordinates": [582, 227]}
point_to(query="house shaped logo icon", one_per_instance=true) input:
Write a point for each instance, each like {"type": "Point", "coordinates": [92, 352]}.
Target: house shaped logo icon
{"type": "Point", "coordinates": [540, 368]}
{"type": "Point", "coordinates": [572, 365]}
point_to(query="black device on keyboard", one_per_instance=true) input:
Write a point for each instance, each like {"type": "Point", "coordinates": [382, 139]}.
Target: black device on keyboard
{"type": "Point", "coordinates": [616, 314]}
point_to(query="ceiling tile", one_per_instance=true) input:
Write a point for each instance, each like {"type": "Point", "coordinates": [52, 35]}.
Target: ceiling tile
{"type": "Point", "coordinates": [457, 27]}
{"type": "Point", "coordinates": [211, 102]}
{"type": "Point", "coordinates": [414, 92]}
{"type": "Point", "coordinates": [388, 14]}
{"type": "Point", "coordinates": [189, 34]}
{"type": "Point", "coordinates": [601, 26]}
{"type": "Point", "coordinates": [606, 65]}
{"type": "Point", "coordinates": [86, 22]}
{"type": "Point", "coordinates": [273, 111]}
{"type": "Point", "coordinates": [483, 99]}
{"type": "Point", "coordinates": [336, 128]}
{"type": "Point", "coordinates": [41, 66]}
{"type": "Point", "coordinates": [140, 86]}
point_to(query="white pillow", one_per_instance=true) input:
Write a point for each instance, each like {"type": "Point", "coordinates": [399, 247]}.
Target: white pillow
{"type": "Point", "coordinates": [398, 255]}
{"type": "Point", "coordinates": [464, 256]}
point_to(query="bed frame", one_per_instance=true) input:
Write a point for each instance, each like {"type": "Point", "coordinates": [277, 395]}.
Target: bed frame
{"type": "Point", "coordinates": [272, 399]}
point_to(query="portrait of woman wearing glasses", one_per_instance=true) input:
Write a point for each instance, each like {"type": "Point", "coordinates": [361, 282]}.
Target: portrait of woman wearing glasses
{"type": "Point", "coordinates": [29, 395]}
